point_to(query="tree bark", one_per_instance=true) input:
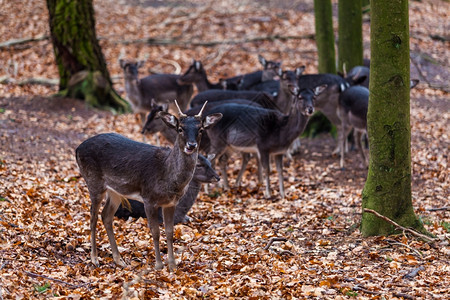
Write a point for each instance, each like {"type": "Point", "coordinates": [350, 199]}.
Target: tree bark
{"type": "Point", "coordinates": [350, 45]}
{"type": "Point", "coordinates": [388, 186]}
{"type": "Point", "coordinates": [325, 36]}
{"type": "Point", "coordinates": [81, 65]}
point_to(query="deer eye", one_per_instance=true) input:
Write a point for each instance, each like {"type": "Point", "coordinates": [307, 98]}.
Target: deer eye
{"type": "Point", "coordinates": [180, 130]}
{"type": "Point", "coordinates": [200, 130]}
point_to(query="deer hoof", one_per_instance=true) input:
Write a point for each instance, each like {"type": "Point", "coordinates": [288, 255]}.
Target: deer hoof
{"type": "Point", "coordinates": [159, 266]}
{"type": "Point", "coordinates": [120, 263]}
{"type": "Point", "coordinates": [172, 267]}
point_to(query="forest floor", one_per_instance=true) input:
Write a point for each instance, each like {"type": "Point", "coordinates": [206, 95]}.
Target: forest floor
{"type": "Point", "coordinates": [239, 244]}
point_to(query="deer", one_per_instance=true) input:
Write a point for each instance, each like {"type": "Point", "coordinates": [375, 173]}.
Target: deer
{"type": "Point", "coordinates": [352, 110]}
{"type": "Point", "coordinates": [196, 74]}
{"type": "Point", "coordinates": [252, 81]}
{"type": "Point", "coordinates": [281, 102]}
{"type": "Point", "coordinates": [263, 131]}
{"type": "Point", "coordinates": [204, 173]}
{"type": "Point", "coordinates": [159, 88]}
{"type": "Point", "coordinates": [154, 125]}
{"type": "Point", "coordinates": [118, 167]}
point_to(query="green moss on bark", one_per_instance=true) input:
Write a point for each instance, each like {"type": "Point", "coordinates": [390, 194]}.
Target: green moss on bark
{"type": "Point", "coordinates": [325, 36]}
{"type": "Point", "coordinates": [76, 48]}
{"type": "Point", "coordinates": [388, 186]}
{"type": "Point", "coordinates": [350, 44]}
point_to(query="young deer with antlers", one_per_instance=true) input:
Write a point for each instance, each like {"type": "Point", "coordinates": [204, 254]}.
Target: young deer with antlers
{"type": "Point", "coordinates": [118, 167]}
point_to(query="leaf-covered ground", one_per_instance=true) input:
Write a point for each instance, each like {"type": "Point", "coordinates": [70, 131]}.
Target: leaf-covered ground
{"type": "Point", "coordinates": [239, 245]}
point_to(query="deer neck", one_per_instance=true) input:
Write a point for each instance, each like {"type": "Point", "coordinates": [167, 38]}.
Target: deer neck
{"type": "Point", "coordinates": [203, 85]}
{"type": "Point", "coordinates": [181, 166]}
{"type": "Point", "coordinates": [133, 91]}
{"type": "Point", "coordinates": [295, 124]}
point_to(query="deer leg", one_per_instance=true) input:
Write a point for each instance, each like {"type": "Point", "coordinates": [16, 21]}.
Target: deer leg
{"type": "Point", "coordinates": [358, 139]}
{"type": "Point", "coordinates": [341, 139]}
{"type": "Point", "coordinates": [168, 215]}
{"type": "Point", "coordinates": [279, 164]}
{"type": "Point", "coordinates": [153, 224]}
{"type": "Point", "coordinates": [223, 159]}
{"type": "Point", "coordinates": [112, 203]}
{"type": "Point", "coordinates": [245, 159]}
{"type": "Point", "coordinates": [260, 169]}
{"type": "Point", "coordinates": [96, 201]}
{"type": "Point", "coordinates": [265, 161]}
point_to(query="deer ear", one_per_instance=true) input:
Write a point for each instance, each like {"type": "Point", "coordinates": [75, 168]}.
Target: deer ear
{"type": "Point", "coordinates": [262, 60]}
{"type": "Point", "coordinates": [198, 65]}
{"type": "Point", "coordinates": [169, 119]}
{"type": "Point", "coordinates": [319, 89]}
{"type": "Point", "coordinates": [413, 83]}
{"type": "Point", "coordinates": [140, 64]}
{"type": "Point", "coordinates": [211, 120]}
{"type": "Point", "coordinates": [299, 71]}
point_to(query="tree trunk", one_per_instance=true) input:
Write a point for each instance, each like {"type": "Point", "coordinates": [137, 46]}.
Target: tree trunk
{"type": "Point", "coordinates": [325, 36]}
{"type": "Point", "coordinates": [82, 68]}
{"type": "Point", "coordinates": [350, 45]}
{"type": "Point", "coordinates": [388, 186]}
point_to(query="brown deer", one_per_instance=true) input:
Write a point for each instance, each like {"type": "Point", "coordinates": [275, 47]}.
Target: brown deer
{"type": "Point", "coordinates": [118, 167]}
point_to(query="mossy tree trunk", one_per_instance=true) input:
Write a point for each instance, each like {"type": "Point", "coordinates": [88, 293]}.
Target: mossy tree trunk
{"type": "Point", "coordinates": [388, 186]}
{"type": "Point", "coordinates": [350, 45]}
{"type": "Point", "coordinates": [82, 68]}
{"type": "Point", "coordinates": [325, 36]}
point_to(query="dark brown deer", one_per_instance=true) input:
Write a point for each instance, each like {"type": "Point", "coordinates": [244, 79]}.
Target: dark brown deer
{"type": "Point", "coordinates": [160, 88]}
{"type": "Point", "coordinates": [262, 131]}
{"type": "Point", "coordinates": [118, 167]}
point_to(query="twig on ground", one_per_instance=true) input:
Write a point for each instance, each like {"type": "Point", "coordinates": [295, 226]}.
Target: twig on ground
{"type": "Point", "coordinates": [439, 208]}
{"type": "Point", "coordinates": [413, 273]}
{"type": "Point", "coordinates": [405, 296]}
{"type": "Point", "coordinates": [70, 285]}
{"type": "Point", "coordinates": [40, 81]}
{"type": "Point", "coordinates": [275, 239]}
{"type": "Point", "coordinates": [14, 42]}
{"type": "Point", "coordinates": [362, 289]}
{"type": "Point", "coordinates": [176, 42]}
{"type": "Point", "coordinates": [409, 247]}
{"type": "Point", "coordinates": [413, 232]}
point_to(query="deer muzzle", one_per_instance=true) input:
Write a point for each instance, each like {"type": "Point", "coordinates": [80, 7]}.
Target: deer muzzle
{"type": "Point", "coordinates": [190, 148]}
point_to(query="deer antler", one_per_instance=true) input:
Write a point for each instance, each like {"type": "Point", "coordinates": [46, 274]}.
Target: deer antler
{"type": "Point", "coordinates": [179, 110]}
{"type": "Point", "coordinates": [199, 115]}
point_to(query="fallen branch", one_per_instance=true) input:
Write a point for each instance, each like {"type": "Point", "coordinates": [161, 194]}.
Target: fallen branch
{"type": "Point", "coordinates": [275, 239]}
{"type": "Point", "coordinates": [176, 42]}
{"type": "Point", "coordinates": [39, 81]}
{"type": "Point", "coordinates": [402, 295]}
{"type": "Point", "coordinates": [14, 42]}
{"type": "Point", "coordinates": [439, 208]}
{"type": "Point", "coordinates": [362, 289]}
{"type": "Point", "coordinates": [72, 286]}
{"type": "Point", "coordinates": [414, 272]}
{"type": "Point", "coordinates": [413, 232]}
{"type": "Point", "coordinates": [412, 249]}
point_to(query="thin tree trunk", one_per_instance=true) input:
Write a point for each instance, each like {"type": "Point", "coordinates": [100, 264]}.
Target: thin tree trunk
{"type": "Point", "coordinates": [350, 45]}
{"type": "Point", "coordinates": [388, 186]}
{"type": "Point", "coordinates": [325, 36]}
{"type": "Point", "coordinates": [81, 65]}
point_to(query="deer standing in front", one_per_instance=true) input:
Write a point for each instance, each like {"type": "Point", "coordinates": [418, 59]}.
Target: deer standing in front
{"type": "Point", "coordinates": [204, 173]}
{"type": "Point", "coordinates": [118, 167]}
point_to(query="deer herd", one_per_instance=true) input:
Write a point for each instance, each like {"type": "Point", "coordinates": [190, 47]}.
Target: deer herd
{"type": "Point", "coordinates": [259, 114]}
